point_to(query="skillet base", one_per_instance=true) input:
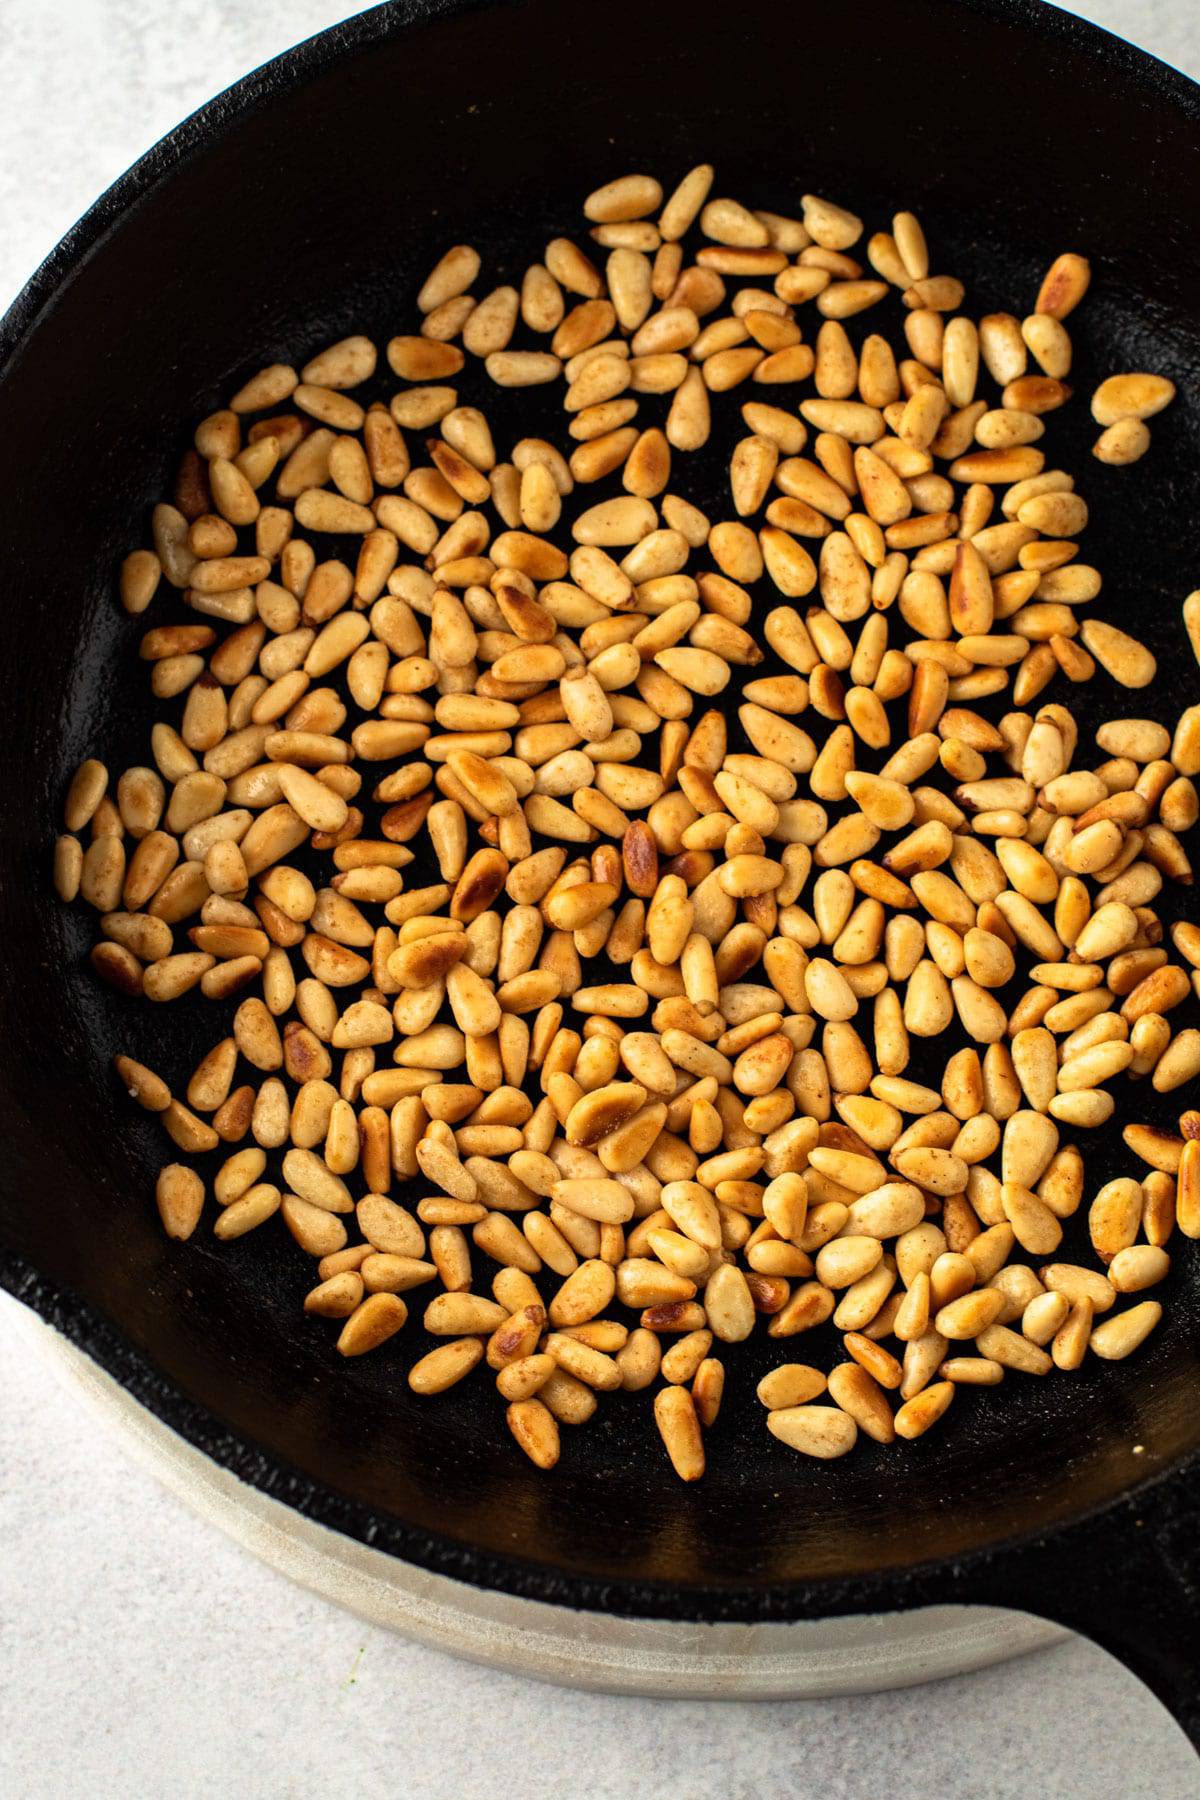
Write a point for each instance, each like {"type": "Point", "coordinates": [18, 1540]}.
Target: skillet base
{"type": "Point", "coordinates": [808, 1659]}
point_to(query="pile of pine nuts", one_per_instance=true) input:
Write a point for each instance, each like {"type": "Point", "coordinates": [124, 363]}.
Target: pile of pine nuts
{"type": "Point", "coordinates": [780, 895]}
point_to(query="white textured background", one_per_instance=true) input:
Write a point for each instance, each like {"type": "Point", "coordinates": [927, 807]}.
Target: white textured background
{"type": "Point", "coordinates": [141, 1655]}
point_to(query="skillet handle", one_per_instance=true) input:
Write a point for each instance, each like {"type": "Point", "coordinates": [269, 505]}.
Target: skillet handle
{"type": "Point", "coordinates": [1128, 1578]}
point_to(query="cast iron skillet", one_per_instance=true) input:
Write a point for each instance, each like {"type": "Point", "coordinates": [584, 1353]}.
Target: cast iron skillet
{"type": "Point", "coordinates": [303, 204]}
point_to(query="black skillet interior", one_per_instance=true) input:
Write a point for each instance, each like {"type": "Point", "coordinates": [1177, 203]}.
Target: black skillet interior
{"type": "Point", "coordinates": [308, 204]}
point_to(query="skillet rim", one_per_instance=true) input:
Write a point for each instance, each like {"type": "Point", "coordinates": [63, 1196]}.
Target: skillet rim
{"type": "Point", "coordinates": [324, 49]}
{"type": "Point", "coordinates": [974, 1575]}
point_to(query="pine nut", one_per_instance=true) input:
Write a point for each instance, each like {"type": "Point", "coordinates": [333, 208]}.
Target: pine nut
{"type": "Point", "coordinates": [823, 1432]}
